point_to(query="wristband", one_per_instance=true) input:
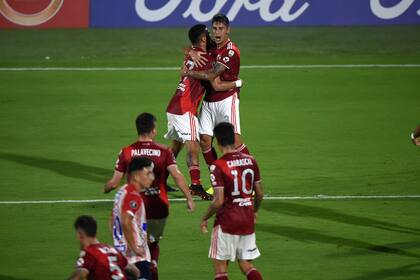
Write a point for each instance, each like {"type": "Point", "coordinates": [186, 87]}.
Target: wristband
{"type": "Point", "coordinates": [238, 83]}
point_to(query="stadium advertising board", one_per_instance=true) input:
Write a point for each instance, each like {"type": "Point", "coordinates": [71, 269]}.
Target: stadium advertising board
{"type": "Point", "coordinates": [116, 13]}
{"type": "Point", "coordinates": [44, 13]}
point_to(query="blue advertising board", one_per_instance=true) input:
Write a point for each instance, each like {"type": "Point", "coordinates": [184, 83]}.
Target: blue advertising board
{"type": "Point", "coordinates": [148, 13]}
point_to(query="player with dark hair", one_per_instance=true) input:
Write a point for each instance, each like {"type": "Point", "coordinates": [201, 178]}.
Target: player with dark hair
{"type": "Point", "coordinates": [223, 105]}
{"type": "Point", "coordinates": [182, 109]}
{"type": "Point", "coordinates": [155, 198]}
{"type": "Point", "coordinates": [98, 261]}
{"type": "Point", "coordinates": [415, 136]}
{"type": "Point", "coordinates": [129, 216]}
{"type": "Point", "coordinates": [235, 176]}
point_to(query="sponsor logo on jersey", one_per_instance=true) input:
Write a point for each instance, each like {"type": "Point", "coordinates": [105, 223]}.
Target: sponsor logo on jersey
{"type": "Point", "coordinates": [243, 201]}
{"type": "Point", "coordinates": [226, 59]}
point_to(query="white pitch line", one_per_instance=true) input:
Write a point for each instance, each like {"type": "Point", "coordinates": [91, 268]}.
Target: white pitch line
{"type": "Point", "coordinates": [279, 66]}
{"type": "Point", "coordinates": [315, 197]}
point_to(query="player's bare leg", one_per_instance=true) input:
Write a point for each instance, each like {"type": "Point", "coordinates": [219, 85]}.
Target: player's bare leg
{"type": "Point", "coordinates": [239, 144]}
{"type": "Point", "coordinates": [193, 149]}
{"type": "Point", "coordinates": [249, 270]}
{"type": "Point", "coordinates": [220, 269]}
{"type": "Point", "coordinates": [176, 147]}
{"type": "Point", "coordinates": [209, 153]}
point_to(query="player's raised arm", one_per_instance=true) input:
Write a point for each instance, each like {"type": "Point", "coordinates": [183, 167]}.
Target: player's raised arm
{"type": "Point", "coordinates": [79, 274]}
{"type": "Point", "coordinates": [208, 75]}
{"type": "Point", "coordinates": [182, 184]}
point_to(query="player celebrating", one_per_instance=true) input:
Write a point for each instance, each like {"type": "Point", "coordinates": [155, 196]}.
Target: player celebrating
{"type": "Point", "coordinates": [129, 216]}
{"type": "Point", "coordinates": [155, 198]}
{"type": "Point", "coordinates": [220, 106]}
{"type": "Point", "coordinates": [98, 261]}
{"type": "Point", "coordinates": [182, 109]}
{"type": "Point", "coordinates": [235, 176]}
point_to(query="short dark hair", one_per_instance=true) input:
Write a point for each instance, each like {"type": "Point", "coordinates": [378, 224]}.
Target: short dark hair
{"type": "Point", "coordinates": [196, 32]}
{"type": "Point", "coordinates": [221, 18]}
{"type": "Point", "coordinates": [87, 224]}
{"type": "Point", "coordinates": [139, 163]}
{"type": "Point", "coordinates": [225, 134]}
{"type": "Point", "coordinates": [145, 123]}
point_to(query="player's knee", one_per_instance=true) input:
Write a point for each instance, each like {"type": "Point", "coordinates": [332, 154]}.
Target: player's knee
{"type": "Point", "coordinates": [205, 142]}
{"type": "Point", "coordinates": [245, 266]}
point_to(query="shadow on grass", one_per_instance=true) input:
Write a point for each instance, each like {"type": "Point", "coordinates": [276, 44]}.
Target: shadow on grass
{"type": "Point", "coordinates": [401, 272]}
{"type": "Point", "coordinates": [315, 236]}
{"type": "Point", "coordinates": [294, 209]}
{"type": "Point", "coordinates": [62, 167]}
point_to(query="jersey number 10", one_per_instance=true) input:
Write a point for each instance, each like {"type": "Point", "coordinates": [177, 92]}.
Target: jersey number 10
{"type": "Point", "coordinates": [236, 186]}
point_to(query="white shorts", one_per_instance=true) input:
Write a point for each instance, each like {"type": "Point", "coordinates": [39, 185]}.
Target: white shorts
{"type": "Point", "coordinates": [225, 246]}
{"type": "Point", "coordinates": [182, 128]}
{"type": "Point", "coordinates": [213, 113]}
{"type": "Point", "coordinates": [155, 229]}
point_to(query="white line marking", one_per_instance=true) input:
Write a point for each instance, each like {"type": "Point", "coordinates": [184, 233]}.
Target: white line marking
{"type": "Point", "coordinates": [285, 66]}
{"type": "Point", "coordinates": [315, 197]}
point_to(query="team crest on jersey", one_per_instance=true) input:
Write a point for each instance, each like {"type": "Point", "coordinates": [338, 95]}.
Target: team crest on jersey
{"type": "Point", "coordinates": [226, 59]}
{"type": "Point", "coordinates": [212, 167]}
{"type": "Point", "coordinates": [231, 53]}
{"type": "Point", "coordinates": [133, 204]}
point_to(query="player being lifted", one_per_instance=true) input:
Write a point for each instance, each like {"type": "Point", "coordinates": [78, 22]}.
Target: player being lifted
{"type": "Point", "coordinates": [182, 109]}
{"type": "Point", "coordinates": [98, 261]}
{"type": "Point", "coordinates": [220, 106]}
{"type": "Point", "coordinates": [155, 198]}
{"type": "Point", "coordinates": [129, 225]}
{"type": "Point", "coordinates": [235, 176]}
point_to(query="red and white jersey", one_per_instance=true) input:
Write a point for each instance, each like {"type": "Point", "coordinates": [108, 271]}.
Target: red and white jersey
{"type": "Point", "coordinates": [230, 57]}
{"type": "Point", "coordinates": [128, 200]}
{"type": "Point", "coordinates": [237, 174]}
{"type": "Point", "coordinates": [103, 262]}
{"type": "Point", "coordinates": [188, 95]}
{"type": "Point", "coordinates": [155, 198]}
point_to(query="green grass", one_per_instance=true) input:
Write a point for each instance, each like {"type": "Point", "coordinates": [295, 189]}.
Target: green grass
{"type": "Point", "coordinates": [313, 131]}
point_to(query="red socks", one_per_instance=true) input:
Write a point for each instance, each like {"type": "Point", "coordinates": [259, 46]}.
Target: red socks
{"type": "Point", "coordinates": [221, 276]}
{"type": "Point", "coordinates": [210, 156]}
{"type": "Point", "coordinates": [253, 274]}
{"type": "Point", "coordinates": [195, 174]}
{"type": "Point", "coordinates": [154, 256]}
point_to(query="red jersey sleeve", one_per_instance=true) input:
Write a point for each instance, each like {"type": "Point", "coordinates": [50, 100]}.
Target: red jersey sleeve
{"type": "Point", "coordinates": [228, 58]}
{"type": "Point", "coordinates": [121, 164]}
{"type": "Point", "coordinates": [131, 203]}
{"type": "Point", "coordinates": [257, 176]}
{"type": "Point", "coordinates": [85, 261]}
{"type": "Point", "coordinates": [170, 158]}
{"type": "Point", "coordinates": [122, 261]}
{"type": "Point", "coordinates": [216, 177]}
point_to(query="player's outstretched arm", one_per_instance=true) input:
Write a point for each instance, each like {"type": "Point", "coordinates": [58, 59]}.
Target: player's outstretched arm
{"type": "Point", "coordinates": [218, 200]}
{"type": "Point", "coordinates": [182, 184]}
{"type": "Point", "coordinates": [218, 85]}
{"type": "Point", "coordinates": [208, 75]}
{"type": "Point", "coordinates": [79, 274]}
{"type": "Point", "coordinates": [114, 182]}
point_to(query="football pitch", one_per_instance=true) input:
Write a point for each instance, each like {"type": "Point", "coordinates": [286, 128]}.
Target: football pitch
{"type": "Point", "coordinates": [315, 131]}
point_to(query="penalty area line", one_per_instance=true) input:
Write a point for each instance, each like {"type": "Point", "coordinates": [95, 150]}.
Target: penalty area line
{"type": "Point", "coordinates": [274, 66]}
{"type": "Point", "coordinates": [315, 197]}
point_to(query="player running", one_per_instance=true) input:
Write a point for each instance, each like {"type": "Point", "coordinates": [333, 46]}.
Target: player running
{"type": "Point", "coordinates": [235, 176]}
{"type": "Point", "coordinates": [220, 106]}
{"type": "Point", "coordinates": [129, 225]}
{"type": "Point", "coordinates": [155, 198]}
{"type": "Point", "coordinates": [98, 261]}
{"type": "Point", "coordinates": [183, 128]}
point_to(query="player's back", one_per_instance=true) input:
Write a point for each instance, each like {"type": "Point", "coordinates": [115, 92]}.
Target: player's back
{"type": "Point", "coordinates": [237, 174]}
{"type": "Point", "coordinates": [189, 92]}
{"type": "Point", "coordinates": [103, 262]}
